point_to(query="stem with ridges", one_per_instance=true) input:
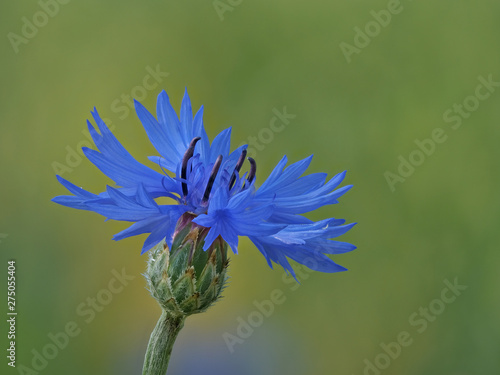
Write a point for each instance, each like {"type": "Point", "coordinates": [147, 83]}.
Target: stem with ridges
{"type": "Point", "coordinates": [161, 343]}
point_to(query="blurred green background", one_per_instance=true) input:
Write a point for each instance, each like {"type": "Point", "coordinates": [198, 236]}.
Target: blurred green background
{"type": "Point", "coordinates": [241, 62]}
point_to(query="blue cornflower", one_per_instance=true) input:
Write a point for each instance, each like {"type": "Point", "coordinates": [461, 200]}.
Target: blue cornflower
{"type": "Point", "coordinates": [205, 182]}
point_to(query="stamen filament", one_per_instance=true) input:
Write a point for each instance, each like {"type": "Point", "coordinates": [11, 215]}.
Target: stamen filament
{"type": "Point", "coordinates": [211, 180]}
{"type": "Point", "coordinates": [187, 155]}
{"type": "Point", "coordinates": [237, 168]}
{"type": "Point", "coordinates": [253, 170]}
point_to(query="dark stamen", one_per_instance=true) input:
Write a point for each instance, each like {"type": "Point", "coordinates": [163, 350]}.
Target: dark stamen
{"type": "Point", "coordinates": [211, 180]}
{"type": "Point", "coordinates": [240, 162]}
{"type": "Point", "coordinates": [187, 155]}
{"type": "Point", "coordinates": [253, 169]}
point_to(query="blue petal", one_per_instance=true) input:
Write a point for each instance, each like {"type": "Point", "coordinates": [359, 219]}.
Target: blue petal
{"type": "Point", "coordinates": [160, 226]}
{"type": "Point", "coordinates": [71, 201]}
{"type": "Point", "coordinates": [78, 191]}
{"type": "Point", "coordinates": [220, 145]}
{"type": "Point", "coordinates": [168, 147]}
{"type": "Point", "coordinates": [275, 174]}
{"type": "Point", "coordinates": [186, 118]}
{"type": "Point", "coordinates": [146, 225]}
{"type": "Point", "coordinates": [122, 207]}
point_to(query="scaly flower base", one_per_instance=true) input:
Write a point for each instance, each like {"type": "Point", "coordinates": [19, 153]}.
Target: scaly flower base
{"type": "Point", "coordinates": [184, 280]}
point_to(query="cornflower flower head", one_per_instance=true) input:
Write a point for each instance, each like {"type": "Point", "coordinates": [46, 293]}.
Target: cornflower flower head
{"type": "Point", "coordinates": [209, 191]}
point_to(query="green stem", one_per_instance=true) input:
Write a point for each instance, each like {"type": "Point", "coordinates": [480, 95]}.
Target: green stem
{"type": "Point", "coordinates": [161, 343]}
